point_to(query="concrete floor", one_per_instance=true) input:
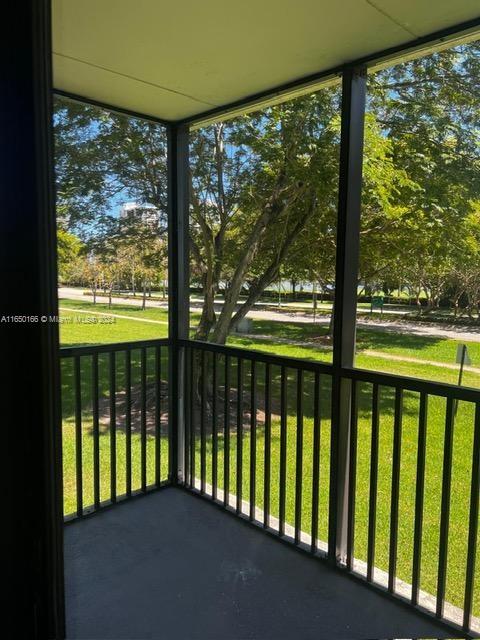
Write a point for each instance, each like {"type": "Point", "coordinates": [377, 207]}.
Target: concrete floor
{"type": "Point", "coordinates": [169, 565]}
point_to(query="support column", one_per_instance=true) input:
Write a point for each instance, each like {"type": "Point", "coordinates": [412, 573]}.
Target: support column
{"type": "Point", "coordinates": [178, 289]}
{"type": "Point", "coordinates": [345, 306]}
{"type": "Point", "coordinates": [30, 389]}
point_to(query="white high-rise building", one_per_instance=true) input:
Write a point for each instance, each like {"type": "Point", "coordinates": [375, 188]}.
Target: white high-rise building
{"type": "Point", "coordinates": [145, 213]}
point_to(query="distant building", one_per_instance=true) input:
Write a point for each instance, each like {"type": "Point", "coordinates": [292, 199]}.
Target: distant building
{"type": "Point", "coordinates": [144, 213]}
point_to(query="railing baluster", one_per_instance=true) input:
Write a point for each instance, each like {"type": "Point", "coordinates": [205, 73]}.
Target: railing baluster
{"type": "Point", "coordinates": [188, 394]}
{"type": "Point", "coordinates": [419, 496]}
{"type": "Point", "coordinates": [239, 433]}
{"type": "Point", "coordinates": [96, 364]}
{"type": "Point", "coordinates": [445, 512]}
{"type": "Point", "coordinates": [315, 462]}
{"type": "Point", "coordinates": [397, 452]}
{"type": "Point", "coordinates": [214, 428]}
{"type": "Point", "coordinates": [198, 373]}
{"type": "Point", "coordinates": [268, 446]}
{"type": "Point", "coordinates": [143, 428]}
{"type": "Point", "coordinates": [283, 449]}
{"type": "Point", "coordinates": [352, 475]}
{"type": "Point", "coordinates": [299, 457]}
{"type": "Point", "coordinates": [226, 435]}
{"type": "Point", "coordinates": [372, 506]}
{"type": "Point", "coordinates": [473, 523]}
{"type": "Point", "coordinates": [78, 436]}
{"type": "Point", "coordinates": [96, 433]}
{"type": "Point", "coordinates": [128, 421]}
{"type": "Point", "coordinates": [253, 438]}
{"type": "Point", "coordinates": [158, 413]}
{"type": "Point", "coordinates": [192, 425]}
{"type": "Point", "coordinates": [113, 427]}
{"type": "Point", "coordinates": [203, 435]}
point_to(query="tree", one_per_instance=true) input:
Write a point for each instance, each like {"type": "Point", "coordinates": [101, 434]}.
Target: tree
{"type": "Point", "coordinates": [90, 272]}
{"type": "Point", "coordinates": [69, 253]}
{"type": "Point", "coordinates": [264, 186]}
{"type": "Point", "coordinates": [101, 157]}
{"type": "Point", "coordinates": [139, 241]}
{"type": "Point", "coordinates": [429, 110]}
{"type": "Point", "coordinates": [256, 182]}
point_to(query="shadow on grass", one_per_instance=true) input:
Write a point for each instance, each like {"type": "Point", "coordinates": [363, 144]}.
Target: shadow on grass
{"type": "Point", "coordinates": [104, 382]}
{"type": "Point", "coordinates": [390, 341]}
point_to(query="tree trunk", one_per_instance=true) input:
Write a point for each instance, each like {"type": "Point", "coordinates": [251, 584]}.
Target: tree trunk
{"type": "Point", "coordinates": [208, 317]}
{"type": "Point", "coordinates": [277, 205]}
{"type": "Point", "coordinates": [269, 275]}
{"type": "Point", "coordinates": [282, 198]}
{"type": "Point", "coordinates": [144, 297]}
{"type": "Point", "coordinates": [330, 322]}
{"type": "Point", "coordinates": [417, 300]}
{"type": "Point", "coordinates": [94, 291]}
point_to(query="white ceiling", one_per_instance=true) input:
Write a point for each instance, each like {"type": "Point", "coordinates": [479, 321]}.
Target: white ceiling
{"type": "Point", "coordinates": [174, 60]}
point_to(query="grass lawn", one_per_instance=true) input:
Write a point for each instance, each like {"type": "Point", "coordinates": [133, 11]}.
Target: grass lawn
{"type": "Point", "coordinates": [411, 346]}
{"type": "Point", "coordinates": [440, 350]}
{"type": "Point", "coordinates": [150, 313]}
{"type": "Point", "coordinates": [68, 413]}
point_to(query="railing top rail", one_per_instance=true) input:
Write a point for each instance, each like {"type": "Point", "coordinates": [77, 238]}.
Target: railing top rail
{"type": "Point", "coordinates": [407, 383]}
{"type": "Point", "coordinates": [260, 356]}
{"type": "Point", "coordinates": [90, 349]}
{"type": "Point", "coordinates": [443, 389]}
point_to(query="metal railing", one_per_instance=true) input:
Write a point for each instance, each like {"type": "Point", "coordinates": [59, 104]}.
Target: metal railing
{"type": "Point", "coordinates": [259, 438]}
{"type": "Point", "coordinates": [233, 415]}
{"type": "Point", "coordinates": [427, 394]}
{"type": "Point", "coordinates": [116, 440]}
{"type": "Point", "coordinates": [259, 432]}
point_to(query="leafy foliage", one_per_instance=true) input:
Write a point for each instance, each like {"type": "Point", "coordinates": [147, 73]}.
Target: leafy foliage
{"type": "Point", "coordinates": [264, 189]}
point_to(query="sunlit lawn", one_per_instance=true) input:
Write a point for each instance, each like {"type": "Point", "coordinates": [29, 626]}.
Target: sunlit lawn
{"type": "Point", "coordinates": [68, 412]}
{"type": "Point", "coordinates": [151, 313]}
{"type": "Point", "coordinates": [441, 350]}
{"type": "Point", "coordinates": [81, 328]}
{"type": "Point", "coordinates": [412, 346]}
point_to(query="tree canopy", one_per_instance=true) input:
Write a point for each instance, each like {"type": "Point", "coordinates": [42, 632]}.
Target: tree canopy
{"type": "Point", "coordinates": [264, 188]}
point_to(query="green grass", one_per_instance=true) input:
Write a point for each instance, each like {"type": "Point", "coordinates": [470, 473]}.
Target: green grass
{"type": "Point", "coordinates": [151, 313]}
{"type": "Point", "coordinates": [414, 346]}
{"type": "Point", "coordinates": [461, 470]}
{"type": "Point", "coordinates": [460, 476]}
{"type": "Point", "coordinates": [74, 332]}
{"type": "Point", "coordinates": [416, 370]}
{"type": "Point", "coordinates": [440, 350]}
{"type": "Point", "coordinates": [68, 413]}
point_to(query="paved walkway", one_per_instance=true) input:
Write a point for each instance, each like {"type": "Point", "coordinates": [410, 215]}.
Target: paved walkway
{"type": "Point", "coordinates": [434, 330]}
